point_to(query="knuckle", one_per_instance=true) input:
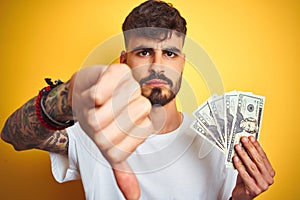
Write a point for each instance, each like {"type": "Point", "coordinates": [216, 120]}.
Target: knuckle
{"type": "Point", "coordinates": [252, 167]}
{"type": "Point", "coordinates": [115, 156]}
{"type": "Point", "coordinates": [242, 172]}
{"type": "Point", "coordinates": [264, 187]}
{"type": "Point", "coordinates": [264, 155]}
{"type": "Point", "coordinates": [88, 126]}
{"type": "Point", "coordinates": [146, 105]}
{"type": "Point", "coordinates": [258, 161]}
{"type": "Point", "coordinates": [255, 192]}
{"type": "Point", "coordinates": [92, 122]}
{"type": "Point", "coordinates": [122, 66]}
{"type": "Point", "coordinates": [138, 141]}
{"type": "Point", "coordinates": [92, 96]}
{"type": "Point", "coordinates": [101, 141]}
{"type": "Point", "coordinates": [248, 146]}
{"type": "Point", "coordinates": [95, 96]}
{"type": "Point", "coordinates": [248, 193]}
{"type": "Point", "coordinates": [119, 68]}
{"type": "Point", "coordinates": [136, 86]}
{"type": "Point", "coordinates": [135, 92]}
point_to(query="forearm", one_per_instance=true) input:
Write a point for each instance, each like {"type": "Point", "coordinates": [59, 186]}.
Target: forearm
{"type": "Point", "coordinates": [58, 103]}
{"type": "Point", "coordinates": [24, 130]}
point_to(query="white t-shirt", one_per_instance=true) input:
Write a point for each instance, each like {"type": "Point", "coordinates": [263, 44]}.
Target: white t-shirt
{"type": "Point", "coordinates": [176, 165]}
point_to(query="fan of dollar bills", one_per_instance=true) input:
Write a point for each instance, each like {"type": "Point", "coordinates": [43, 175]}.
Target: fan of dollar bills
{"type": "Point", "coordinates": [223, 120]}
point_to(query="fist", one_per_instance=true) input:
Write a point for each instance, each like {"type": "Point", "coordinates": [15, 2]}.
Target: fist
{"type": "Point", "coordinates": [110, 108]}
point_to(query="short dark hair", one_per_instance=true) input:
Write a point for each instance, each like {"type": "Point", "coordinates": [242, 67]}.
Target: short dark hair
{"type": "Point", "coordinates": [157, 16]}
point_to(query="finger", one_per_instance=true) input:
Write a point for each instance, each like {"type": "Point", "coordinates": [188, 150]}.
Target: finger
{"type": "Point", "coordinates": [113, 79]}
{"type": "Point", "coordinates": [125, 93]}
{"type": "Point", "coordinates": [249, 182]}
{"type": "Point", "coordinates": [96, 94]}
{"type": "Point", "coordinates": [128, 145]}
{"type": "Point", "coordinates": [83, 99]}
{"type": "Point", "coordinates": [120, 106]}
{"type": "Point", "coordinates": [257, 159]}
{"type": "Point", "coordinates": [85, 78]}
{"type": "Point", "coordinates": [109, 136]}
{"type": "Point", "coordinates": [88, 121]}
{"type": "Point", "coordinates": [251, 167]}
{"type": "Point", "coordinates": [129, 122]}
{"type": "Point", "coordinates": [133, 117]}
{"type": "Point", "coordinates": [86, 98]}
{"type": "Point", "coordinates": [263, 155]}
{"type": "Point", "coordinates": [81, 82]}
{"type": "Point", "coordinates": [126, 180]}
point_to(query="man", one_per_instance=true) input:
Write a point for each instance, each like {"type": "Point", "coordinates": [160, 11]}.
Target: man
{"type": "Point", "coordinates": [130, 140]}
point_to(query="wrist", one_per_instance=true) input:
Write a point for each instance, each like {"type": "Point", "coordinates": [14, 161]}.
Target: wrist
{"type": "Point", "coordinates": [44, 117]}
{"type": "Point", "coordinates": [52, 108]}
{"type": "Point", "coordinates": [57, 105]}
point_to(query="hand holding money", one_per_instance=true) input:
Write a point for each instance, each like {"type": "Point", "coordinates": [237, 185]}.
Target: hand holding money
{"type": "Point", "coordinates": [232, 123]}
{"type": "Point", "coordinates": [223, 120]}
{"type": "Point", "coordinates": [255, 172]}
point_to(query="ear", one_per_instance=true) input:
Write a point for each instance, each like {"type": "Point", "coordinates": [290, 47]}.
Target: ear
{"type": "Point", "coordinates": [123, 57]}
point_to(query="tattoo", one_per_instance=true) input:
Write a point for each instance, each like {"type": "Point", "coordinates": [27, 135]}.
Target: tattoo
{"type": "Point", "coordinates": [57, 105]}
{"type": "Point", "coordinates": [57, 143]}
{"type": "Point", "coordinates": [24, 131]}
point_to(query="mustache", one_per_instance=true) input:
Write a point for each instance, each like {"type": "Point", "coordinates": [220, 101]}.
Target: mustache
{"type": "Point", "coordinates": [155, 75]}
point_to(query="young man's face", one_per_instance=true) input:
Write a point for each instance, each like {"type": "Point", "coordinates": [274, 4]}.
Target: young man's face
{"type": "Point", "coordinates": [157, 66]}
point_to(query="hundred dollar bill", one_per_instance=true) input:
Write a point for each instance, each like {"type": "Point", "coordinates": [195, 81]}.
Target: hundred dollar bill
{"type": "Point", "coordinates": [203, 132]}
{"type": "Point", "coordinates": [204, 116]}
{"type": "Point", "coordinates": [230, 100]}
{"type": "Point", "coordinates": [216, 104]}
{"type": "Point", "coordinates": [247, 121]}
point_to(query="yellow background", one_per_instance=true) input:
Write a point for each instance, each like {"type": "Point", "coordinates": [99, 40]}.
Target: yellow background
{"type": "Point", "coordinates": [254, 44]}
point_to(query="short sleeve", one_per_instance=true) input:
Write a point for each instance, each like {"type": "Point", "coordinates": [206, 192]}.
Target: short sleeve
{"type": "Point", "coordinates": [65, 168]}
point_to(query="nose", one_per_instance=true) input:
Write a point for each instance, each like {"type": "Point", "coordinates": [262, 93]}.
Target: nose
{"type": "Point", "coordinates": [157, 62]}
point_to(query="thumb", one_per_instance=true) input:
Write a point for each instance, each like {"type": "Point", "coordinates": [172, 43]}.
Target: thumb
{"type": "Point", "coordinates": [126, 180]}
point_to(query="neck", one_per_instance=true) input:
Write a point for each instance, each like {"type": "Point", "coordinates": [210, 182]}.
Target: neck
{"type": "Point", "coordinates": [165, 118]}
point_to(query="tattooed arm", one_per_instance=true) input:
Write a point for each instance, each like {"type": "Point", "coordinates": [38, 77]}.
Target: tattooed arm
{"type": "Point", "coordinates": [24, 131]}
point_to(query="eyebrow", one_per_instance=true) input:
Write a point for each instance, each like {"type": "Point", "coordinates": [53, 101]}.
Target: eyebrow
{"type": "Point", "coordinates": [173, 49]}
{"type": "Point", "coordinates": [142, 47]}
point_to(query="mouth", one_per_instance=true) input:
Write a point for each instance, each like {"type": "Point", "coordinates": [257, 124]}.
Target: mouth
{"type": "Point", "coordinates": [156, 83]}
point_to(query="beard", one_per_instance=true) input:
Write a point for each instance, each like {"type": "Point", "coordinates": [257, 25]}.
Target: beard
{"type": "Point", "coordinates": [160, 96]}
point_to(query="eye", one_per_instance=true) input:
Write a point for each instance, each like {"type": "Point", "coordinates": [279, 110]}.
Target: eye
{"type": "Point", "coordinates": [144, 53]}
{"type": "Point", "coordinates": [170, 54]}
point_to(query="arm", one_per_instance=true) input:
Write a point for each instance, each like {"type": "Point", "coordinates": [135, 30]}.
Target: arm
{"type": "Point", "coordinates": [24, 131]}
{"type": "Point", "coordinates": [109, 107]}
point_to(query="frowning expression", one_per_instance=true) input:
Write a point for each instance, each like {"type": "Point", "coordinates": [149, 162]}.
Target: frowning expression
{"type": "Point", "coordinates": [157, 65]}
